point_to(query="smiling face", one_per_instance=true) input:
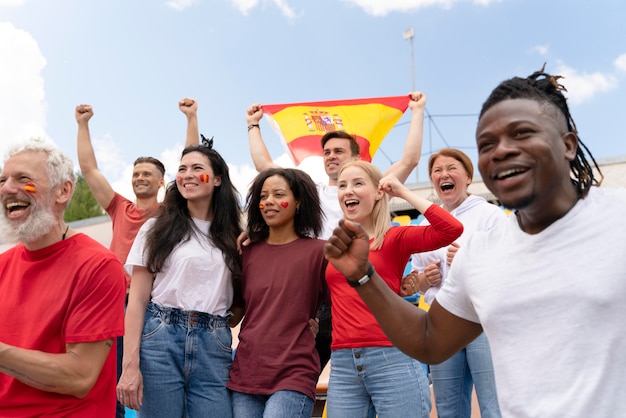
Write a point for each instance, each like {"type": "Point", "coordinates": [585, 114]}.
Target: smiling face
{"type": "Point", "coordinates": [195, 179]}
{"type": "Point", "coordinates": [358, 193]}
{"type": "Point", "coordinates": [450, 180]}
{"type": "Point", "coordinates": [336, 151]}
{"type": "Point", "coordinates": [277, 202]}
{"type": "Point", "coordinates": [27, 199]}
{"type": "Point", "coordinates": [524, 154]}
{"type": "Point", "coordinates": [147, 180]}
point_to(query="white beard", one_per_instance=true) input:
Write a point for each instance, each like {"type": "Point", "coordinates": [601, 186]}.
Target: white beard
{"type": "Point", "coordinates": [40, 221]}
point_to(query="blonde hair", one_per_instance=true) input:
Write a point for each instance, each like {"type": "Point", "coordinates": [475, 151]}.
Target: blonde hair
{"type": "Point", "coordinates": [380, 212]}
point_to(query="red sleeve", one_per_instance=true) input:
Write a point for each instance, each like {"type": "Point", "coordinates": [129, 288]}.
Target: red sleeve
{"type": "Point", "coordinates": [442, 231]}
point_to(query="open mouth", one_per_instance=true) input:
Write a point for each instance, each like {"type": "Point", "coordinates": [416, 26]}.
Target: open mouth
{"type": "Point", "coordinates": [14, 207]}
{"type": "Point", "coordinates": [351, 203]}
{"type": "Point", "coordinates": [446, 186]}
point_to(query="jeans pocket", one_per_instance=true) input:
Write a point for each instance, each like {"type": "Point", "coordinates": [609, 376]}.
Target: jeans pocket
{"type": "Point", "coordinates": [224, 338]}
{"type": "Point", "coordinates": [151, 326]}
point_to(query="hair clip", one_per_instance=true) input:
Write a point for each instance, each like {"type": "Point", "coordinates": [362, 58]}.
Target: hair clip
{"type": "Point", "coordinates": [207, 142]}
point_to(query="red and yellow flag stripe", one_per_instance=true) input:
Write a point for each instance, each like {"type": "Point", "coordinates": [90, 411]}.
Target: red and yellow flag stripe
{"type": "Point", "coordinates": [301, 125]}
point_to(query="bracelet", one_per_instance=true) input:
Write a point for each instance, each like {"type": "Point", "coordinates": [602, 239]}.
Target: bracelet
{"type": "Point", "coordinates": [254, 125]}
{"type": "Point", "coordinates": [366, 278]}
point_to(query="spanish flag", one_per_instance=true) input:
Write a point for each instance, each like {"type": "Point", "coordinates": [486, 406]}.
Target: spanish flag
{"type": "Point", "coordinates": [301, 125]}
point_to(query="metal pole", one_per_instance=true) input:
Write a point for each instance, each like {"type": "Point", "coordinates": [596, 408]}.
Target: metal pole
{"type": "Point", "coordinates": [410, 34]}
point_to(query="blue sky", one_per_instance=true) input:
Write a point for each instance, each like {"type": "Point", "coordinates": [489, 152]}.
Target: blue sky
{"type": "Point", "coordinates": [133, 61]}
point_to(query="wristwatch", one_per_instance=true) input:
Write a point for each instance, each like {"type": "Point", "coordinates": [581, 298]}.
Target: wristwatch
{"type": "Point", "coordinates": [366, 278]}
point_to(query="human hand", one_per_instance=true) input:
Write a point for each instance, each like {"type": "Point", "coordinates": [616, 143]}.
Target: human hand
{"type": "Point", "coordinates": [130, 388]}
{"type": "Point", "coordinates": [254, 114]}
{"type": "Point", "coordinates": [417, 100]}
{"type": "Point", "coordinates": [314, 326]}
{"type": "Point", "coordinates": [410, 284]}
{"type": "Point", "coordinates": [348, 250]}
{"type": "Point", "coordinates": [243, 240]}
{"type": "Point", "coordinates": [452, 250]}
{"type": "Point", "coordinates": [188, 106]}
{"type": "Point", "coordinates": [433, 274]}
{"type": "Point", "coordinates": [392, 186]}
{"type": "Point", "coordinates": [83, 113]}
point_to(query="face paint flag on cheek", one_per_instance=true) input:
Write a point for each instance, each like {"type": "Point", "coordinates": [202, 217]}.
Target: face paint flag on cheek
{"type": "Point", "coordinates": [204, 178]}
{"type": "Point", "coordinates": [261, 206]}
{"type": "Point", "coordinates": [284, 204]}
{"type": "Point", "coordinates": [30, 188]}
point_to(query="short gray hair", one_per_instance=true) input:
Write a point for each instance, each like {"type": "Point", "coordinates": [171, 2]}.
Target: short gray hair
{"type": "Point", "coordinates": [58, 165]}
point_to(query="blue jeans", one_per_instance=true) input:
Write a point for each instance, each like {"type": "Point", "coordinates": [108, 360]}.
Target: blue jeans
{"type": "Point", "coordinates": [453, 380]}
{"type": "Point", "coordinates": [364, 382]}
{"type": "Point", "coordinates": [185, 360]}
{"type": "Point", "coordinates": [281, 404]}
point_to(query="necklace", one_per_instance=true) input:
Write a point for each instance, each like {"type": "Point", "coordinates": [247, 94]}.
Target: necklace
{"type": "Point", "coordinates": [65, 233]}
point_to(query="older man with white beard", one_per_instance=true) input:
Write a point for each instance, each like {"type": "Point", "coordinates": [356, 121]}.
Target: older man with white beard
{"type": "Point", "coordinates": [61, 295]}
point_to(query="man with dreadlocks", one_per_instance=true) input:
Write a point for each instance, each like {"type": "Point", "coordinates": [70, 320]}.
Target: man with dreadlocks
{"type": "Point", "coordinates": [550, 313]}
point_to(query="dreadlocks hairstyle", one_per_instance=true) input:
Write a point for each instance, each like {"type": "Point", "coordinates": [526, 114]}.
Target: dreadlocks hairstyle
{"type": "Point", "coordinates": [309, 216]}
{"type": "Point", "coordinates": [545, 88]}
{"type": "Point", "coordinates": [174, 224]}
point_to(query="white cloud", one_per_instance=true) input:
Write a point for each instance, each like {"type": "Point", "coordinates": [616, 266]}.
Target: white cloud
{"type": "Point", "coordinates": [244, 6]}
{"type": "Point", "coordinates": [541, 50]}
{"type": "Point", "coordinates": [383, 7]}
{"type": "Point", "coordinates": [22, 105]}
{"type": "Point", "coordinates": [620, 63]}
{"type": "Point", "coordinates": [285, 9]}
{"type": "Point", "coordinates": [582, 87]}
{"type": "Point", "coordinates": [180, 5]}
{"type": "Point", "coordinates": [11, 3]}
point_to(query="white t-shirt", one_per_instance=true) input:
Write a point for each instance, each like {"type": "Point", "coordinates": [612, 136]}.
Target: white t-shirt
{"type": "Point", "coordinates": [329, 199]}
{"type": "Point", "coordinates": [476, 214]}
{"type": "Point", "coordinates": [553, 307]}
{"type": "Point", "coordinates": [194, 277]}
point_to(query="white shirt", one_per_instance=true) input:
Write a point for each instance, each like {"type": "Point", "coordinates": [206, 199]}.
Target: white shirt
{"type": "Point", "coordinates": [194, 277]}
{"type": "Point", "coordinates": [553, 306]}
{"type": "Point", "coordinates": [329, 199]}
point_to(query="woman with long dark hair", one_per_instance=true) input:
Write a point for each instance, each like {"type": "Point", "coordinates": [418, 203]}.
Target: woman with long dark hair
{"type": "Point", "coordinates": [185, 270]}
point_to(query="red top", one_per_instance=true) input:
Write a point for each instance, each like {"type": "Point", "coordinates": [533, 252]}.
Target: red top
{"type": "Point", "coordinates": [126, 219]}
{"type": "Point", "coordinates": [354, 325]}
{"type": "Point", "coordinates": [69, 292]}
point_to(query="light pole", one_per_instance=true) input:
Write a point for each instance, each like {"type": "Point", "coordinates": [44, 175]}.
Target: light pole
{"type": "Point", "coordinates": [409, 34]}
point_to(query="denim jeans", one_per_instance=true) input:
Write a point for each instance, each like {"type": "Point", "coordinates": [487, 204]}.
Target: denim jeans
{"type": "Point", "coordinates": [185, 360]}
{"type": "Point", "coordinates": [453, 380]}
{"type": "Point", "coordinates": [281, 404]}
{"type": "Point", "coordinates": [383, 381]}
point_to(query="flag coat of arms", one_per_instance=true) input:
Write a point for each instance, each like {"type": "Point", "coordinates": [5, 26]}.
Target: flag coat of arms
{"type": "Point", "coordinates": [302, 125]}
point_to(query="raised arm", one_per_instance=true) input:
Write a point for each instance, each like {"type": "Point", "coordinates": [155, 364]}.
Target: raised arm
{"type": "Point", "coordinates": [394, 187]}
{"type": "Point", "coordinates": [190, 108]}
{"type": "Point", "coordinates": [99, 185]}
{"type": "Point", "coordinates": [74, 372]}
{"type": "Point", "coordinates": [413, 144]}
{"type": "Point", "coordinates": [430, 337]}
{"type": "Point", "coordinates": [258, 151]}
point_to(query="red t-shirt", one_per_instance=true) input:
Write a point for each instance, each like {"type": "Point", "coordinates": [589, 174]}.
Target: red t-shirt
{"type": "Point", "coordinates": [354, 325]}
{"type": "Point", "coordinates": [69, 292]}
{"type": "Point", "coordinates": [126, 219]}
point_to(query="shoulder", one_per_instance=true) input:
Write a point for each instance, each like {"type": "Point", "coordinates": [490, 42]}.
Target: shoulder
{"type": "Point", "coordinates": [87, 245]}
{"type": "Point", "coordinates": [607, 195]}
